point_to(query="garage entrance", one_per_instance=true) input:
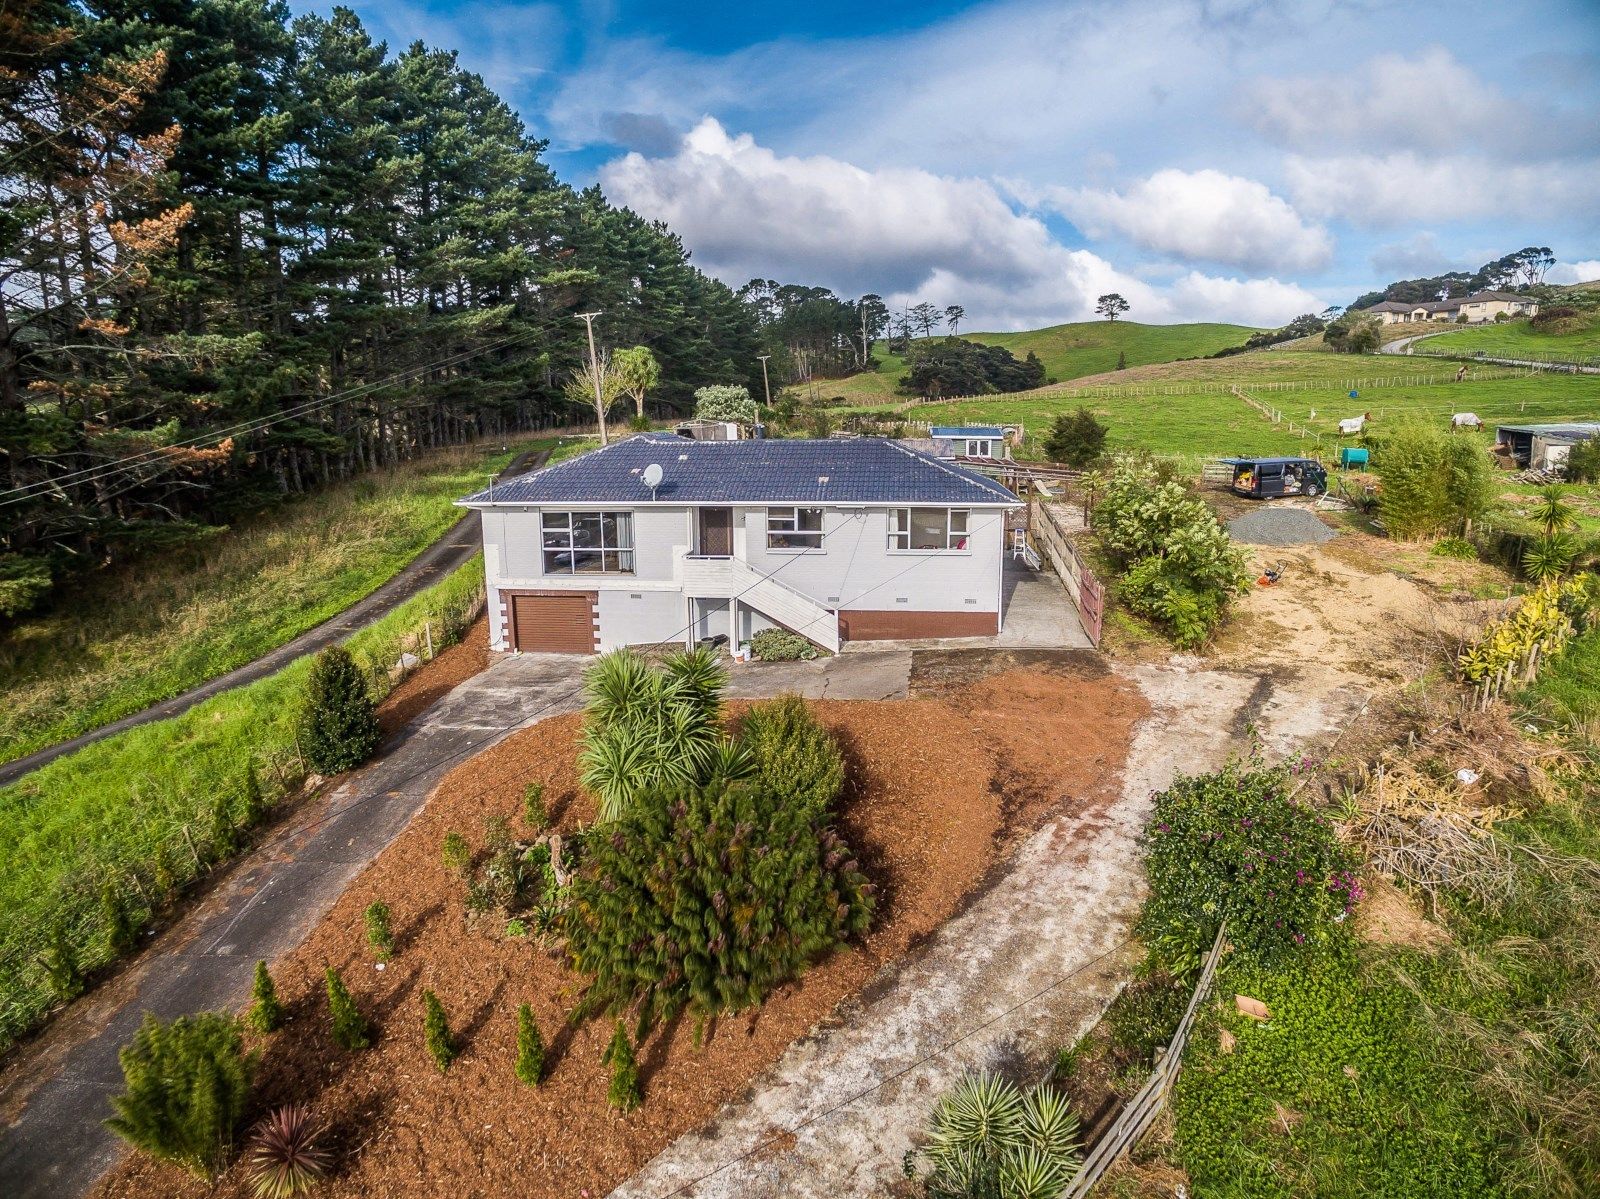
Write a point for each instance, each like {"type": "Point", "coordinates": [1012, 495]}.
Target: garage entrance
{"type": "Point", "coordinates": [548, 622]}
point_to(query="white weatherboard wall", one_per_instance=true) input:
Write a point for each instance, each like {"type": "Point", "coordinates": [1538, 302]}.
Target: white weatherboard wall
{"type": "Point", "coordinates": [854, 570]}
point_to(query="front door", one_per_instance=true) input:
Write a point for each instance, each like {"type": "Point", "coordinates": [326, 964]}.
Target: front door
{"type": "Point", "coordinates": [716, 533]}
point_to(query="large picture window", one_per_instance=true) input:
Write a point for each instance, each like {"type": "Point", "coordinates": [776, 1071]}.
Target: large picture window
{"type": "Point", "coordinates": [794, 528]}
{"type": "Point", "coordinates": [928, 528]}
{"type": "Point", "coordinates": [587, 542]}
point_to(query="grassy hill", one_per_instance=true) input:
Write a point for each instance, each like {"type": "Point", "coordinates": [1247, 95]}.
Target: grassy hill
{"type": "Point", "coordinates": [1520, 339]}
{"type": "Point", "coordinates": [1067, 351]}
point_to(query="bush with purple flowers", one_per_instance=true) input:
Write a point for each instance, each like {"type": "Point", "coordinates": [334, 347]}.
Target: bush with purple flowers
{"type": "Point", "coordinates": [1235, 846]}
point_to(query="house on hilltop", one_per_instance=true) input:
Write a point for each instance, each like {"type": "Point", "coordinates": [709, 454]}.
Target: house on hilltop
{"type": "Point", "coordinates": [659, 538]}
{"type": "Point", "coordinates": [1479, 306]}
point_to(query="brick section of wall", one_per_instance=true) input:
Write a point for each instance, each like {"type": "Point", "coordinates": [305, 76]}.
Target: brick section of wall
{"type": "Point", "coordinates": [906, 626]}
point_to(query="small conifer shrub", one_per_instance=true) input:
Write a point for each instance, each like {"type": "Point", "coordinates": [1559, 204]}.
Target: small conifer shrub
{"type": "Point", "coordinates": [456, 854]}
{"type": "Point", "coordinates": [266, 1009]}
{"type": "Point", "coordinates": [122, 932]}
{"type": "Point", "coordinates": [530, 1048]}
{"type": "Point", "coordinates": [186, 1086]}
{"type": "Point", "coordinates": [253, 801]}
{"type": "Point", "coordinates": [60, 962]}
{"type": "Point", "coordinates": [379, 935]}
{"type": "Point", "coordinates": [436, 1032]}
{"type": "Point", "coordinates": [534, 812]}
{"type": "Point", "coordinates": [224, 836]}
{"type": "Point", "coordinates": [623, 1093]}
{"type": "Point", "coordinates": [285, 1159]}
{"type": "Point", "coordinates": [350, 1028]}
{"type": "Point", "coordinates": [338, 722]}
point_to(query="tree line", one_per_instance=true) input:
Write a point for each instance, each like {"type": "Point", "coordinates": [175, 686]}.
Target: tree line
{"type": "Point", "coordinates": [1521, 269]}
{"type": "Point", "coordinates": [244, 254]}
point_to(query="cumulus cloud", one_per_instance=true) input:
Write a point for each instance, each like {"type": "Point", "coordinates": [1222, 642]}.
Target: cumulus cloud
{"type": "Point", "coordinates": [1394, 189]}
{"type": "Point", "coordinates": [1200, 215]}
{"type": "Point", "coordinates": [907, 234]}
{"type": "Point", "coordinates": [1585, 271]}
{"type": "Point", "coordinates": [1416, 256]}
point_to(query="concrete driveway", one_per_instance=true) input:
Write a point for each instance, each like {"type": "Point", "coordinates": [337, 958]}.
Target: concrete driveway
{"type": "Point", "coordinates": [54, 1092]}
{"type": "Point", "coordinates": [1037, 614]}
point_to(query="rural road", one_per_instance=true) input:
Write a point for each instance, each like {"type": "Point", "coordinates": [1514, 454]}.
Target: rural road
{"type": "Point", "coordinates": [456, 546]}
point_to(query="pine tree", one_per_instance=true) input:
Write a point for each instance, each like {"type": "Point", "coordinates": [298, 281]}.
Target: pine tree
{"type": "Point", "coordinates": [530, 1048]}
{"type": "Point", "coordinates": [338, 723]}
{"type": "Point", "coordinates": [60, 962]}
{"type": "Point", "coordinates": [186, 1087]}
{"type": "Point", "coordinates": [379, 936]}
{"type": "Point", "coordinates": [351, 1030]}
{"type": "Point", "coordinates": [253, 802]}
{"type": "Point", "coordinates": [436, 1032]}
{"type": "Point", "coordinates": [623, 1093]}
{"type": "Point", "coordinates": [266, 1010]}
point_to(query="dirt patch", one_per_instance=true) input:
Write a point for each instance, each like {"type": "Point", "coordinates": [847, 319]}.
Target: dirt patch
{"type": "Point", "coordinates": [1387, 917]}
{"type": "Point", "coordinates": [430, 682]}
{"type": "Point", "coordinates": [937, 789]}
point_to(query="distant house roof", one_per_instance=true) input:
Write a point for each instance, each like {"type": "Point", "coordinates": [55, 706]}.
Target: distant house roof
{"type": "Point", "coordinates": [966, 431]}
{"type": "Point", "coordinates": [1482, 296]}
{"type": "Point", "coordinates": [1438, 305]}
{"type": "Point", "coordinates": [1391, 306]}
{"type": "Point", "coordinates": [869, 470]}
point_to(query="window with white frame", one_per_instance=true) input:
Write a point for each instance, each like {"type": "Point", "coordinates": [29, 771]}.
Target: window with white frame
{"type": "Point", "coordinates": [794, 528]}
{"type": "Point", "coordinates": [587, 542]}
{"type": "Point", "coordinates": [980, 448]}
{"type": "Point", "coordinates": [928, 528]}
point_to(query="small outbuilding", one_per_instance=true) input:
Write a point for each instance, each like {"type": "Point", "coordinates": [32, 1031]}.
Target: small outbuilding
{"type": "Point", "coordinates": [1543, 447]}
{"type": "Point", "coordinates": [970, 441]}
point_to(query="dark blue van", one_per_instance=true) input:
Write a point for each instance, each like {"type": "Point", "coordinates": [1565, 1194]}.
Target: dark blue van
{"type": "Point", "coordinates": [1266, 478]}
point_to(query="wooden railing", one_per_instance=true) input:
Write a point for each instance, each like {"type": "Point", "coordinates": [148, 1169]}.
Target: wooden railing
{"type": "Point", "coordinates": [1055, 543]}
{"type": "Point", "coordinates": [1144, 1107]}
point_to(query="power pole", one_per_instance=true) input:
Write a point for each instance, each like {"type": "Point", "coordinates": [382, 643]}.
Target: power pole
{"type": "Point", "coordinates": [765, 386]}
{"type": "Point", "coordinates": [594, 373]}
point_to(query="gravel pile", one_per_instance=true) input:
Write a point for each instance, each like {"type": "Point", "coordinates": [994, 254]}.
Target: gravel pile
{"type": "Point", "coordinates": [1279, 526]}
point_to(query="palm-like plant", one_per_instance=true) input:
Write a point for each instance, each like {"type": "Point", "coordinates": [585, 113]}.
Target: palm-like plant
{"type": "Point", "coordinates": [988, 1139]}
{"type": "Point", "coordinates": [284, 1156]}
{"type": "Point", "coordinates": [1552, 513]}
{"type": "Point", "coordinates": [1549, 557]}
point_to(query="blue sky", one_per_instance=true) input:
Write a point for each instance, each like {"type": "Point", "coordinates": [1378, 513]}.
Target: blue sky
{"type": "Point", "coordinates": [1210, 159]}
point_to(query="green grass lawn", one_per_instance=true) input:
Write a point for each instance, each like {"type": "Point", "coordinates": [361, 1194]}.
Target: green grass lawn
{"type": "Point", "coordinates": [136, 818]}
{"type": "Point", "coordinates": [1518, 339]}
{"type": "Point", "coordinates": [1211, 423]}
{"type": "Point", "coordinates": [130, 637]}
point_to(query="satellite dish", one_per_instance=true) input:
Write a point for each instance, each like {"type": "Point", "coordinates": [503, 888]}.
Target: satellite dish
{"type": "Point", "coordinates": [652, 478]}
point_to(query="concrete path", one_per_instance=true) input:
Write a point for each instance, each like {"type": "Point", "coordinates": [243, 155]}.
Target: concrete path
{"type": "Point", "coordinates": [1026, 970]}
{"type": "Point", "coordinates": [456, 546]}
{"type": "Point", "coordinates": [1038, 614]}
{"type": "Point", "coordinates": [54, 1093]}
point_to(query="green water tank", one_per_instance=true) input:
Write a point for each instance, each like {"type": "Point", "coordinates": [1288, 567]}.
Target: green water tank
{"type": "Point", "coordinates": [1351, 456]}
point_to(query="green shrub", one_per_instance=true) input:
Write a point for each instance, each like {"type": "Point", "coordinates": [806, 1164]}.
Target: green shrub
{"type": "Point", "coordinates": [534, 813]}
{"type": "Point", "coordinates": [707, 897]}
{"type": "Point", "coordinates": [1549, 557]}
{"type": "Point", "coordinates": [1583, 461]}
{"type": "Point", "coordinates": [795, 758]}
{"type": "Point", "coordinates": [253, 801]}
{"type": "Point", "coordinates": [623, 1093]}
{"type": "Point", "coordinates": [1433, 482]}
{"type": "Point", "coordinates": [987, 1140]}
{"type": "Point", "coordinates": [338, 722]}
{"type": "Point", "coordinates": [186, 1085]}
{"type": "Point", "coordinates": [724, 402]}
{"type": "Point", "coordinates": [285, 1159]}
{"type": "Point", "coordinates": [1233, 846]}
{"type": "Point", "coordinates": [436, 1032]}
{"type": "Point", "coordinates": [780, 645]}
{"type": "Point", "coordinates": [1177, 563]}
{"type": "Point", "coordinates": [266, 1011]}
{"type": "Point", "coordinates": [351, 1029]}
{"type": "Point", "coordinates": [380, 937]}
{"type": "Point", "coordinates": [530, 1048]}
{"type": "Point", "coordinates": [122, 932]}
{"type": "Point", "coordinates": [455, 853]}
{"type": "Point", "coordinates": [648, 727]}
{"type": "Point", "coordinates": [61, 967]}
{"type": "Point", "coordinates": [1454, 547]}
{"type": "Point", "coordinates": [1076, 438]}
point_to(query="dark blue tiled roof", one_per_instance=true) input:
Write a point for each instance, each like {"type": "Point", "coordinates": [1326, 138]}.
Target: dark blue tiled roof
{"type": "Point", "coordinates": [867, 470]}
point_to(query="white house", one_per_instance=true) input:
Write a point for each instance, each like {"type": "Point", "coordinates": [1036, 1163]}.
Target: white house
{"type": "Point", "coordinates": [658, 538]}
{"type": "Point", "coordinates": [1479, 306]}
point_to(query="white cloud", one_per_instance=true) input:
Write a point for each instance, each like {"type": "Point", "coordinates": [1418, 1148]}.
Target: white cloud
{"type": "Point", "coordinates": [908, 234]}
{"type": "Point", "coordinates": [1586, 271]}
{"type": "Point", "coordinates": [1200, 215]}
{"type": "Point", "coordinates": [1395, 189]}
{"type": "Point", "coordinates": [1417, 256]}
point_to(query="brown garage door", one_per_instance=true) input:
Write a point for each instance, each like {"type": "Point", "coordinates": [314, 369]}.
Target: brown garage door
{"type": "Point", "coordinates": [553, 624]}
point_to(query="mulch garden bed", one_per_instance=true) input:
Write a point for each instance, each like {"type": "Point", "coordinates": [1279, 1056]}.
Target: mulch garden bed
{"type": "Point", "coordinates": [939, 788]}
